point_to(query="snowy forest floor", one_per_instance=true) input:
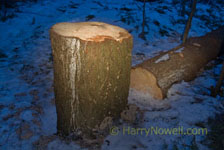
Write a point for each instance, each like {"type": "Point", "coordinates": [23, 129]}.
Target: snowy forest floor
{"type": "Point", "coordinates": [27, 108]}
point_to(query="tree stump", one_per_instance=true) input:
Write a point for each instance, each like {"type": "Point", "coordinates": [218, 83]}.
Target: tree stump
{"type": "Point", "coordinates": [156, 75]}
{"type": "Point", "coordinates": [92, 62]}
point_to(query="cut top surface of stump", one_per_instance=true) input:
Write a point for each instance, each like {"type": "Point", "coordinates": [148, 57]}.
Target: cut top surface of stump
{"type": "Point", "coordinates": [90, 31]}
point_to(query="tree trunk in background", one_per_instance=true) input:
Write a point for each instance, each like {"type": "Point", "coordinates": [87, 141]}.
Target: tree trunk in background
{"type": "Point", "coordinates": [183, 5]}
{"type": "Point", "coordinates": [219, 83]}
{"type": "Point", "coordinates": [188, 25]}
{"type": "Point", "coordinates": [156, 75]}
{"type": "Point", "coordinates": [92, 63]}
{"type": "Point", "coordinates": [142, 34]}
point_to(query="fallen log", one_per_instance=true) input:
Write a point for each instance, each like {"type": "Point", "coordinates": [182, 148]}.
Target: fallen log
{"type": "Point", "coordinates": [156, 75]}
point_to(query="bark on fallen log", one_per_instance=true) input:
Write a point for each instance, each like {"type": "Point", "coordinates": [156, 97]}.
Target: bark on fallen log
{"type": "Point", "coordinates": [156, 75]}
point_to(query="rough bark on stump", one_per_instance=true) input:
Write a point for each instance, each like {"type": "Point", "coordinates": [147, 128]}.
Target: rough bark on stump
{"type": "Point", "coordinates": [92, 63]}
{"type": "Point", "coordinates": [156, 75]}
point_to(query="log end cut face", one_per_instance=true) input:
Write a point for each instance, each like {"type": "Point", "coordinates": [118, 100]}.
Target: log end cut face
{"type": "Point", "coordinates": [145, 82]}
{"type": "Point", "coordinates": [90, 31]}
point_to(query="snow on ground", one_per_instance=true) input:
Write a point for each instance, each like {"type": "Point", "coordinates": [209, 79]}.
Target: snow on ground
{"type": "Point", "coordinates": [27, 109]}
